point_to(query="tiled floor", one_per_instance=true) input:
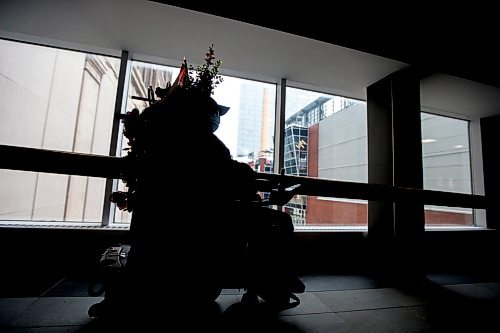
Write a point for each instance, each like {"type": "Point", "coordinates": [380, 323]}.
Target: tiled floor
{"type": "Point", "coordinates": [331, 303]}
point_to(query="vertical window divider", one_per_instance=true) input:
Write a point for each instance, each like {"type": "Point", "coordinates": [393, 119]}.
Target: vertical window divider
{"type": "Point", "coordinates": [476, 162]}
{"type": "Point", "coordinates": [279, 131]}
{"type": "Point", "coordinates": [120, 105]}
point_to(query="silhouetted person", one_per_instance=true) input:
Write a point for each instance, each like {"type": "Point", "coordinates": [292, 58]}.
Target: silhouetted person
{"type": "Point", "coordinates": [195, 212]}
{"type": "Point", "coordinates": [198, 209]}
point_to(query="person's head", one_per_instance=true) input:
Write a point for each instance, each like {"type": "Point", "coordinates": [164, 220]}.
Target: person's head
{"type": "Point", "coordinates": [215, 111]}
{"type": "Point", "coordinates": [190, 95]}
{"type": "Point", "coordinates": [214, 120]}
{"type": "Point", "coordinates": [202, 111]}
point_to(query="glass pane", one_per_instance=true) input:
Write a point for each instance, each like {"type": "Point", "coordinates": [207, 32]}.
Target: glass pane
{"type": "Point", "coordinates": [32, 196]}
{"type": "Point", "coordinates": [56, 99]}
{"type": "Point", "coordinates": [144, 75]}
{"type": "Point", "coordinates": [312, 211]}
{"type": "Point", "coordinates": [446, 165]}
{"type": "Point", "coordinates": [446, 154]}
{"type": "Point", "coordinates": [248, 127]}
{"type": "Point", "coordinates": [326, 137]}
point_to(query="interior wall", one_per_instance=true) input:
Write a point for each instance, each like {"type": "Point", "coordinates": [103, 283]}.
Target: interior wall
{"type": "Point", "coordinates": [455, 97]}
{"type": "Point", "coordinates": [36, 259]}
{"type": "Point", "coordinates": [165, 32]}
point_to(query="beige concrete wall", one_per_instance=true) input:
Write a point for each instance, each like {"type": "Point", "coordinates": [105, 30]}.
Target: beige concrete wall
{"type": "Point", "coordinates": [51, 189]}
{"type": "Point", "coordinates": [25, 93]}
{"type": "Point", "coordinates": [50, 196]}
{"type": "Point", "coordinates": [25, 83]}
{"type": "Point", "coordinates": [16, 194]}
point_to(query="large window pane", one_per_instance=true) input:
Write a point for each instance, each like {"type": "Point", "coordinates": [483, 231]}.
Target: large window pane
{"type": "Point", "coordinates": [34, 196]}
{"type": "Point", "coordinates": [248, 127]}
{"type": "Point", "coordinates": [144, 75]}
{"type": "Point", "coordinates": [56, 99]}
{"type": "Point", "coordinates": [326, 137]}
{"type": "Point", "coordinates": [446, 163]}
{"type": "Point", "coordinates": [61, 100]}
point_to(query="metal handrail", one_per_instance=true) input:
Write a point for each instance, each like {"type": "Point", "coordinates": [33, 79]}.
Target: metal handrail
{"type": "Point", "coordinates": [51, 161]}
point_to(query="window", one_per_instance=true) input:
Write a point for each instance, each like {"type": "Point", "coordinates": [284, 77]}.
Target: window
{"type": "Point", "coordinates": [446, 166]}
{"type": "Point", "coordinates": [64, 100]}
{"type": "Point", "coordinates": [144, 75]}
{"type": "Point", "coordinates": [37, 196]}
{"type": "Point", "coordinates": [326, 137]}
{"type": "Point", "coordinates": [60, 100]}
{"type": "Point", "coordinates": [56, 99]}
{"type": "Point", "coordinates": [248, 127]}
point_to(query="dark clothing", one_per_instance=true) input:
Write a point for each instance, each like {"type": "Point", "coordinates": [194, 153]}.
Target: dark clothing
{"type": "Point", "coordinates": [195, 226]}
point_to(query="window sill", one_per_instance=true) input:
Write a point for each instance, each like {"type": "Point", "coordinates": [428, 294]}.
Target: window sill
{"type": "Point", "coordinates": [126, 226]}
{"type": "Point", "coordinates": [62, 225]}
{"type": "Point", "coordinates": [457, 228]}
{"type": "Point", "coordinates": [331, 228]}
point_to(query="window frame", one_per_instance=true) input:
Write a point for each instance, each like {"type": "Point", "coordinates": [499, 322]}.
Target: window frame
{"type": "Point", "coordinates": [476, 167]}
{"type": "Point", "coordinates": [110, 183]}
{"type": "Point", "coordinates": [321, 187]}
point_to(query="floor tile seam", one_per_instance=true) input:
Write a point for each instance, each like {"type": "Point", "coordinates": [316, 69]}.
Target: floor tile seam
{"type": "Point", "coordinates": [53, 286]}
{"type": "Point", "coordinates": [348, 311]}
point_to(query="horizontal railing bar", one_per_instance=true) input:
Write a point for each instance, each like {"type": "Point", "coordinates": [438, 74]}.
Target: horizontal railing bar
{"type": "Point", "coordinates": [377, 192]}
{"type": "Point", "coordinates": [50, 161]}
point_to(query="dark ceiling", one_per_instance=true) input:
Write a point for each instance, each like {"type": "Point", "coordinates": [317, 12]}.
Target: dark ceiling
{"type": "Point", "coordinates": [460, 41]}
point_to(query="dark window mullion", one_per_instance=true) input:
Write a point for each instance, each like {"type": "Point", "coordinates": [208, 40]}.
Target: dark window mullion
{"type": "Point", "coordinates": [120, 104]}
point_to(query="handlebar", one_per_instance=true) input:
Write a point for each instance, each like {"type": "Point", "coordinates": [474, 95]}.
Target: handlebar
{"type": "Point", "coordinates": [278, 196]}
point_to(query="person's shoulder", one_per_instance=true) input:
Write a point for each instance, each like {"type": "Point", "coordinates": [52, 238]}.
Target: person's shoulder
{"type": "Point", "coordinates": [218, 144]}
{"type": "Point", "coordinates": [216, 140]}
